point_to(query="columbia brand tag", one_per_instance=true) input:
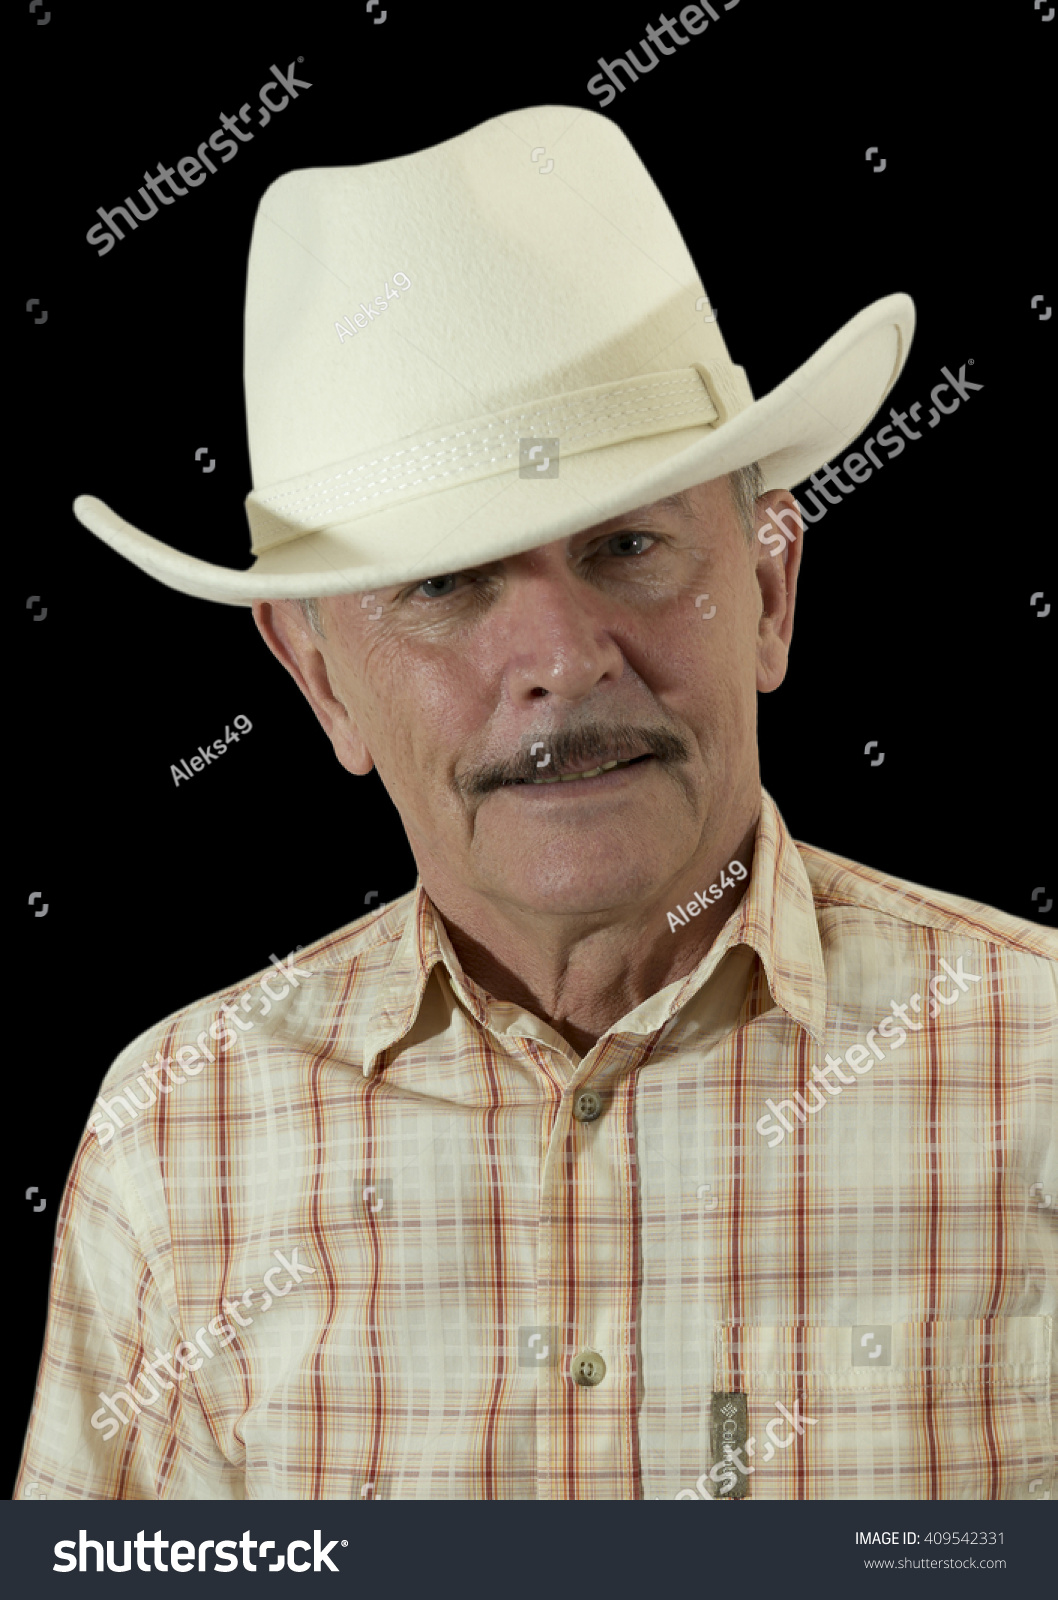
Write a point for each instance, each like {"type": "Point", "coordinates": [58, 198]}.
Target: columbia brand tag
{"type": "Point", "coordinates": [730, 1434]}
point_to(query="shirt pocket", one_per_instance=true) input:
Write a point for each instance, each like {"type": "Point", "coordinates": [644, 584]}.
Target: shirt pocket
{"type": "Point", "coordinates": [943, 1410]}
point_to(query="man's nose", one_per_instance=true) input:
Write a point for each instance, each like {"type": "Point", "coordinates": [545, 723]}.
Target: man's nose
{"type": "Point", "coordinates": [556, 635]}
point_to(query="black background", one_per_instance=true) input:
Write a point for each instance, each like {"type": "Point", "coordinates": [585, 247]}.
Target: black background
{"type": "Point", "coordinates": [914, 624]}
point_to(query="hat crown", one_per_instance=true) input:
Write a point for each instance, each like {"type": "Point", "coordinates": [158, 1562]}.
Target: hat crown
{"type": "Point", "coordinates": [475, 349]}
{"type": "Point", "coordinates": [540, 259]}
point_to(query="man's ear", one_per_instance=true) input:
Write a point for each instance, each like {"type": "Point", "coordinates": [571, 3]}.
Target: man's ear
{"type": "Point", "coordinates": [283, 627]}
{"type": "Point", "coordinates": [779, 540]}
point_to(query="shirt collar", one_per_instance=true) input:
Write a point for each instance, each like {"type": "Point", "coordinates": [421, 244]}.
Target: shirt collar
{"type": "Point", "coordinates": [776, 917]}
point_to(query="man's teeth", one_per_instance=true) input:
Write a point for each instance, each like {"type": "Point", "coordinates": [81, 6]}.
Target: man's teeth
{"type": "Point", "coordinates": [593, 772]}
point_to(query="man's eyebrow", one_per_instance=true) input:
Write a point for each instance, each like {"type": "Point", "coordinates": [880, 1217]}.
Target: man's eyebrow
{"type": "Point", "coordinates": [679, 503]}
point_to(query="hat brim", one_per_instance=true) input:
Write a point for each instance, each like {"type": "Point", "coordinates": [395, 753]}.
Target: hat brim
{"type": "Point", "coordinates": [813, 415]}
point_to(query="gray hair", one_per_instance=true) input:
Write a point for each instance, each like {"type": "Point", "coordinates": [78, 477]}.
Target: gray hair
{"type": "Point", "coordinates": [747, 484]}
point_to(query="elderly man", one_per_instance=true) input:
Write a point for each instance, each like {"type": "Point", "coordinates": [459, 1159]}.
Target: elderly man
{"type": "Point", "coordinates": [639, 1151]}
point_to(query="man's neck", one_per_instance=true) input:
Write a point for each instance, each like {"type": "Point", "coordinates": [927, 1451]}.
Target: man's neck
{"type": "Point", "coordinates": [581, 988]}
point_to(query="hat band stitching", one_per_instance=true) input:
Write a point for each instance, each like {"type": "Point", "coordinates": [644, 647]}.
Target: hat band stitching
{"type": "Point", "coordinates": [707, 394]}
{"type": "Point", "coordinates": [338, 500]}
{"type": "Point", "coordinates": [272, 498]}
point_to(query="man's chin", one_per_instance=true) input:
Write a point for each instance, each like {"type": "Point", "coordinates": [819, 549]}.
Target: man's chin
{"type": "Point", "coordinates": [580, 892]}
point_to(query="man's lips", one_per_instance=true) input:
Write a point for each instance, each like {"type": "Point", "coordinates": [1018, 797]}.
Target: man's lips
{"type": "Point", "coordinates": [576, 778]}
{"type": "Point", "coordinates": [626, 748]}
{"type": "Point", "coordinates": [589, 765]}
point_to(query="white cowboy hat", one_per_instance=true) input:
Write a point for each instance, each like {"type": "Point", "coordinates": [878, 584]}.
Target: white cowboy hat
{"type": "Point", "coordinates": [420, 331]}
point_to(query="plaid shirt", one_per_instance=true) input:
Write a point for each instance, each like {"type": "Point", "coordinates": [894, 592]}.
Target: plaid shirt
{"type": "Point", "coordinates": [383, 1236]}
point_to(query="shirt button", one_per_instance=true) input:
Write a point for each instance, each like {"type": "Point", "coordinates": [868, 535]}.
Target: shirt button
{"type": "Point", "coordinates": [587, 1105]}
{"type": "Point", "coordinates": [588, 1368]}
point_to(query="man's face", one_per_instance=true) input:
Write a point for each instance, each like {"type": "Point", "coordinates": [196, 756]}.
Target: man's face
{"type": "Point", "coordinates": [599, 647]}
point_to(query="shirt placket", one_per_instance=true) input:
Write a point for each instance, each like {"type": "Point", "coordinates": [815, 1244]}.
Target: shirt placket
{"type": "Point", "coordinates": [588, 1283]}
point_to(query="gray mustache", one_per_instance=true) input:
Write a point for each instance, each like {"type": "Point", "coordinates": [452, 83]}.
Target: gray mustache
{"type": "Point", "coordinates": [592, 745]}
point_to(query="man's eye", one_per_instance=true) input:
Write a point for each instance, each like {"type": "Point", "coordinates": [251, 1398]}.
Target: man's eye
{"type": "Point", "coordinates": [434, 588]}
{"type": "Point", "coordinates": [624, 538]}
{"type": "Point", "coordinates": [448, 577]}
